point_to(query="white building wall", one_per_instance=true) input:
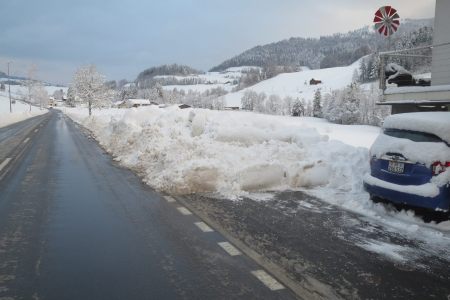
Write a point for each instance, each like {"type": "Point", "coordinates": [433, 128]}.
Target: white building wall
{"type": "Point", "coordinates": [440, 70]}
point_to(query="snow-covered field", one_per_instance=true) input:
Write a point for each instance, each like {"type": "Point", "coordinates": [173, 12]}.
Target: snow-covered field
{"type": "Point", "coordinates": [20, 111]}
{"type": "Point", "coordinates": [297, 85]}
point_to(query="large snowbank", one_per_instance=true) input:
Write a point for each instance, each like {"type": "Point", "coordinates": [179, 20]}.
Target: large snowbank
{"type": "Point", "coordinates": [195, 150]}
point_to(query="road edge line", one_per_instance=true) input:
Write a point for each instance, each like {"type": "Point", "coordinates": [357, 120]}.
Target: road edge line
{"type": "Point", "coordinates": [270, 267]}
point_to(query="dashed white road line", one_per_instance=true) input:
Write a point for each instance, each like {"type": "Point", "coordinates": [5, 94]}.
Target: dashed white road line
{"type": "Point", "coordinates": [26, 140]}
{"type": "Point", "coordinates": [36, 130]}
{"type": "Point", "coordinates": [203, 227]}
{"type": "Point", "coordinates": [184, 211]}
{"type": "Point", "coordinates": [230, 249]}
{"type": "Point", "coordinates": [169, 199]}
{"type": "Point", "coordinates": [4, 163]}
{"type": "Point", "coordinates": [268, 280]}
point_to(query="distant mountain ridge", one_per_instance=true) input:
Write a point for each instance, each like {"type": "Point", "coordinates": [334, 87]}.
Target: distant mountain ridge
{"type": "Point", "coordinates": [336, 50]}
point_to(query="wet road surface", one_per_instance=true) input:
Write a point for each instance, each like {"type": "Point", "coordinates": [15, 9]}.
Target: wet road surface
{"type": "Point", "coordinates": [73, 225]}
{"type": "Point", "coordinates": [325, 247]}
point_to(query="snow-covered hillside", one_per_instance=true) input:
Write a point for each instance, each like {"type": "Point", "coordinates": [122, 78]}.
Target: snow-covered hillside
{"type": "Point", "coordinates": [211, 80]}
{"type": "Point", "coordinates": [297, 85]}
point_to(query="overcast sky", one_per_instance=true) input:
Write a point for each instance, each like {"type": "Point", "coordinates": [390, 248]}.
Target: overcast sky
{"type": "Point", "coordinates": [124, 37]}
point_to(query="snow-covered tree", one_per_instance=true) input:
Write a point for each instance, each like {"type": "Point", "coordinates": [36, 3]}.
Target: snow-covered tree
{"type": "Point", "coordinates": [30, 83]}
{"type": "Point", "coordinates": [317, 105]}
{"type": "Point", "coordinates": [248, 100]}
{"type": "Point", "coordinates": [89, 86]}
{"type": "Point", "coordinates": [273, 105]}
{"type": "Point", "coordinates": [39, 95]}
{"type": "Point", "coordinates": [58, 94]}
{"type": "Point", "coordinates": [298, 108]}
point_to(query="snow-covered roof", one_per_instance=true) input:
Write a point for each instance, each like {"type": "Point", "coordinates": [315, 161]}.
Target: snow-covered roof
{"type": "Point", "coordinates": [437, 123]}
{"type": "Point", "coordinates": [417, 89]}
{"type": "Point", "coordinates": [138, 101]}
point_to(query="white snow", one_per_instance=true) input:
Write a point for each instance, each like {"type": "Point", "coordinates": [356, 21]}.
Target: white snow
{"type": "Point", "coordinates": [297, 85]}
{"type": "Point", "coordinates": [20, 111]}
{"type": "Point", "coordinates": [425, 190]}
{"type": "Point", "coordinates": [201, 88]}
{"type": "Point", "coordinates": [248, 154]}
{"type": "Point", "coordinates": [416, 89]}
{"type": "Point", "coordinates": [196, 150]}
{"type": "Point", "coordinates": [392, 251]}
{"type": "Point", "coordinates": [437, 123]}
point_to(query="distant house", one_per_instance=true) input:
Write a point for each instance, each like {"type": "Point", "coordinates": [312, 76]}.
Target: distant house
{"type": "Point", "coordinates": [314, 82]}
{"type": "Point", "coordinates": [183, 106]}
{"type": "Point", "coordinates": [232, 108]}
{"type": "Point", "coordinates": [134, 103]}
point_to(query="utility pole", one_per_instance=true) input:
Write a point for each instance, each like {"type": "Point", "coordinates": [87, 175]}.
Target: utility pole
{"type": "Point", "coordinates": [9, 91]}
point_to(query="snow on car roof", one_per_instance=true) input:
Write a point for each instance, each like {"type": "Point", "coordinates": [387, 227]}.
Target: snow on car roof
{"type": "Point", "coordinates": [437, 123]}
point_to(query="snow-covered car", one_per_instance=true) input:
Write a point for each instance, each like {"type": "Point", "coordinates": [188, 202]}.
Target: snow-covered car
{"type": "Point", "coordinates": [410, 161]}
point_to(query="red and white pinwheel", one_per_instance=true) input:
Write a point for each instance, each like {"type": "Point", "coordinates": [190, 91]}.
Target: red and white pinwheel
{"type": "Point", "coordinates": [386, 20]}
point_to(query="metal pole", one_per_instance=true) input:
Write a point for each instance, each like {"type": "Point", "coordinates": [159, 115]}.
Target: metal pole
{"type": "Point", "coordinates": [9, 91]}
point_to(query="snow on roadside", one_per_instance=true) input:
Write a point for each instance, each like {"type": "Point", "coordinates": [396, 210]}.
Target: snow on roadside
{"type": "Point", "coordinates": [21, 111]}
{"type": "Point", "coordinates": [196, 150]}
{"type": "Point", "coordinates": [244, 153]}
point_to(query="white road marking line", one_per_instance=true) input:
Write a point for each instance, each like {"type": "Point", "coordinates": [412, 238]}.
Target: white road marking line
{"type": "Point", "coordinates": [26, 140]}
{"type": "Point", "coordinates": [4, 163]}
{"type": "Point", "coordinates": [36, 130]}
{"type": "Point", "coordinates": [268, 280]}
{"type": "Point", "coordinates": [203, 227]}
{"type": "Point", "coordinates": [230, 249]}
{"type": "Point", "coordinates": [184, 211]}
{"type": "Point", "coordinates": [169, 199]}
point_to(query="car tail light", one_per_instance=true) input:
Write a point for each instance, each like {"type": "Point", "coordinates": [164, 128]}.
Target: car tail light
{"type": "Point", "coordinates": [439, 167]}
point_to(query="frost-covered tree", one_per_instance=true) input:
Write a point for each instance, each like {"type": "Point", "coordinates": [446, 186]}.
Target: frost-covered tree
{"type": "Point", "coordinates": [298, 108]}
{"type": "Point", "coordinates": [352, 105]}
{"type": "Point", "coordinates": [317, 105]}
{"type": "Point", "coordinates": [259, 104]}
{"type": "Point", "coordinates": [58, 94]}
{"type": "Point", "coordinates": [248, 100]}
{"type": "Point", "coordinates": [89, 86]}
{"type": "Point", "coordinates": [30, 83]}
{"type": "Point", "coordinates": [273, 105]}
{"type": "Point", "coordinates": [286, 108]}
{"type": "Point", "coordinates": [39, 95]}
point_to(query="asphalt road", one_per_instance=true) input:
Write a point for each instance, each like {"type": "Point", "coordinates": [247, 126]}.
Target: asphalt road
{"type": "Point", "coordinates": [73, 225]}
{"type": "Point", "coordinates": [324, 247]}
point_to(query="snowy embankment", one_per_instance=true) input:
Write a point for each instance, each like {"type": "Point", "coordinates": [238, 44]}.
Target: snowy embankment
{"type": "Point", "coordinates": [196, 150]}
{"type": "Point", "coordinates": [20, 111]}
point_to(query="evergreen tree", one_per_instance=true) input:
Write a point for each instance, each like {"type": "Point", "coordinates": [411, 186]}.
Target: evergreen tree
{"type": "Point", "coordinates": [317, 105]}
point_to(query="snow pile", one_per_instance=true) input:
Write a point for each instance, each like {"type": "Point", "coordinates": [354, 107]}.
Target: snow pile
{"type": "Point", "coordinates": [195, 150]}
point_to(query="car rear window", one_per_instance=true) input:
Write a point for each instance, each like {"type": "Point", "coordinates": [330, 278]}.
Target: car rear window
{"type": "Point", "coordinates": [414, 136]}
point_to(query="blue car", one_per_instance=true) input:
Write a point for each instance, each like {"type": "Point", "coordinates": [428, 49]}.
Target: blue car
{"type": "Point", "coordinates": [410, 161]}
